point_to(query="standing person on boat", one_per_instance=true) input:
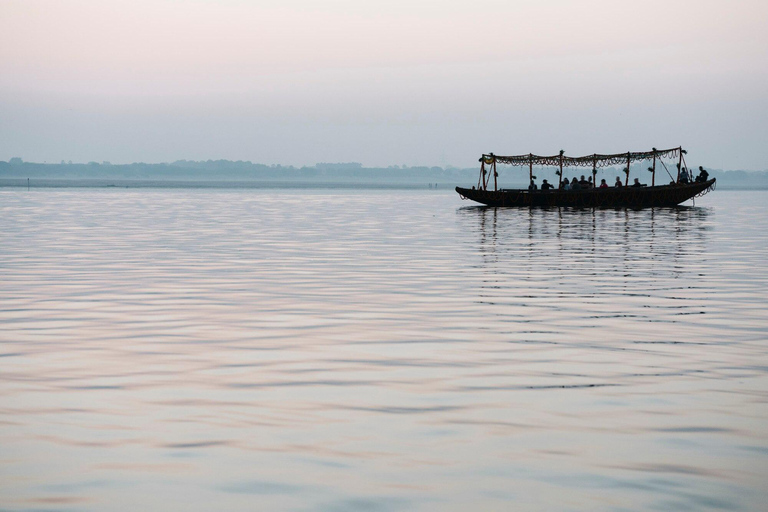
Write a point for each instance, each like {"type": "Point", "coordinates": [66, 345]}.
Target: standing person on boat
{"type": "Point", "coordinates": [545, 185]}
{"type": "Point", "coordinates": [703, 175]}
{"type": "Point", "coordinates": [603, 184]}
{"type": "Point", "coordinates": [532, 186]}
{"type": "Point", "coordinates": [618, 182]}
{"type": "Point", "coordinates": [684, 175]}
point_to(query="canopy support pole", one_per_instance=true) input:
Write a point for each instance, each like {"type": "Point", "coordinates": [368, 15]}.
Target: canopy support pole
{"type": "Point", "coordinates": [495, 176]}
{"type": "Point", "coordinates": [560, 183]}
{"type": "Point", "coordinates": [653, 172]}
{"type": "Point", "coordinates": [626, 181]}
{"type": "Point", "coordinates": [679, 163]}
{"type": "Point", "coordinates": [530, 167]}
{"type": "Point", "coordinates": [481, 179]}
{"type": "Point", "coordinates": [594, 171]}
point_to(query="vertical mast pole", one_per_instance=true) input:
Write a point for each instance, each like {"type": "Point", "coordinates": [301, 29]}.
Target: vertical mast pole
{"type": "Point", "coordinates": [594, 171]}
{"type": "Point", "coordinates": [488, 176]}
{"type": "Point", "coordinates": [495, 176]}
{"type": "Point", "coordinates": [530, 167]}
{"type": "Point", "coordinates": [679, 163]}
{"type": "Point", "coordinates": [560, 183]}
{"type": "Point", "coordinates": [626, 182]}
{"type": "Point", "coordinates": [482, 173]}
{"type": "Point", "coordinates": [653, 172]}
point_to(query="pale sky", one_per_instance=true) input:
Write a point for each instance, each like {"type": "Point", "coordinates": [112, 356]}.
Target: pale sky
{"type": "Point", "coordinates": [382, 82]}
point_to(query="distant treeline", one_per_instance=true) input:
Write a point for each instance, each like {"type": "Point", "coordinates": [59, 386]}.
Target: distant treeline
{"type": "Point", "coordinates": [227, 170]}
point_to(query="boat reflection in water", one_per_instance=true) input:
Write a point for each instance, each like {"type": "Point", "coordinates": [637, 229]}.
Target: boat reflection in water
{"type": "Point", "coordinates": [590, 237]}
{"type": "Point", "coordinates": [572, 275]}
{"type": "Point", "coordinates": [611, 328]}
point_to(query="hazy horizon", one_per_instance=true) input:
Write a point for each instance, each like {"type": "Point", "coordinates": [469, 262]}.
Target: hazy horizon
{"type": "Point", "coordinates": [18, 162]}
{"type": "Point", "coordinates": [383, 83]}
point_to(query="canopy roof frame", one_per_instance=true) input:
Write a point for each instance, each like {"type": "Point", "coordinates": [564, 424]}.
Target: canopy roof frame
{"type": "Point", "coordinates": [596, 161]}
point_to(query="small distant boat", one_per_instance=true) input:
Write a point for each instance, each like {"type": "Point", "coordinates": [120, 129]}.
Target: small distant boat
{"type": "Point", "coordinates": [677, 191]}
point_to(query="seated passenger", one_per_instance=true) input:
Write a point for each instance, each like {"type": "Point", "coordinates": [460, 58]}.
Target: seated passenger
{"type": "Point", "coordinates": [583, 183]}
{"type": "Point", "coordinates": [684, 175]}
{"type": "Point", "coordinates": [618, 182]}
{"type": "Point", "coordinates": [566, 185]}
{"type": "Point", "coordinates": [603, 184]}
{"type": "Point", "coordinates": [532, 186]}
{"type": "Point", "coordinates": [703, 175]}
{"type": "Point", "coordinates": [589, 183]}
{"type": "Point", "coordinates": [575, 185]}
{"type": "Point", "coordinates": [637, 183]}
{"type": "Point", "coordinates": [545, 185]}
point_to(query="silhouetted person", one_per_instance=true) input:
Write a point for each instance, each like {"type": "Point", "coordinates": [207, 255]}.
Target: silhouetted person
{"type": "Point", "coordinates": [618, 182]}
{"type": "Point", "coordinates": [637, 183]}
{"type": "Point", "coordinates": [684, 176]}
{"type": "Point", "coordinates": [703, 175]}
{"type": "Point", "coordinates": [575, 185]}
{"type": "Point", "coordinates": [566, 184]}
{"type": "Point", "coordinates": [532, 186]}
{"type": "Point", "coordinates": [583, 183]}
{"type": "Point", "coordinates": [545, 185]}
{"type": "Point", "coordinates": [603, 184]}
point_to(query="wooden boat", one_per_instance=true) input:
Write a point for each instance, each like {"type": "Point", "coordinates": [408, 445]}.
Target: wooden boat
{"type": "Point", "coordinates": [626, 196]}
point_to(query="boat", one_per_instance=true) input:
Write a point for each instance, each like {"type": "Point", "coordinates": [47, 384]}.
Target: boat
{"type": "Point", "coordinates": [677, 191]}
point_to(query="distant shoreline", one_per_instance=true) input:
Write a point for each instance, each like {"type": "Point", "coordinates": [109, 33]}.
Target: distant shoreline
{"type": "Point", "coordinates": [208, 184]}
{"type": "Point", "coordinates": [352, 175]}
{"type": "Point", "coordinates": [6, 183]}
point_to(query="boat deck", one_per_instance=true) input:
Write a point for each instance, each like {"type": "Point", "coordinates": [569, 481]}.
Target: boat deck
{"type": "Point", "coordinates": [612, 197]}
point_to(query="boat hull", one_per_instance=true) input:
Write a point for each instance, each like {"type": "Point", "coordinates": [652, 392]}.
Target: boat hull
{"type": "Point", "coordinates": [612, 197]}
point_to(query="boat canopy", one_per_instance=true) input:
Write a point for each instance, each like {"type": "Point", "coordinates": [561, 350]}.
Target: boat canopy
{"type": "Point", "coordinates": [594, 161]}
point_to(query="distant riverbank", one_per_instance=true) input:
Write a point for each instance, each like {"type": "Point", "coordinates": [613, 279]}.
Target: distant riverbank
{"type": "Point", "coordinates": [229, 174]}
{"type": "Point", "coordinates": [222, 184]}
{"type": "Point", "coordinates": [260, 184]}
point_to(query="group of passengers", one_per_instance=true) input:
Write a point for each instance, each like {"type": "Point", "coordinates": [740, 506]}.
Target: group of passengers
{"type": "Point", "coordinates": [574, 184]}
{"type": "Point", "coordinates": [586, 183]}
{"type": "Point", "coordinates": [636, 183]}
{"type": "Point", "coordinates": [580, 184]}
{"type": "Point", "coordinates": [686, 175]}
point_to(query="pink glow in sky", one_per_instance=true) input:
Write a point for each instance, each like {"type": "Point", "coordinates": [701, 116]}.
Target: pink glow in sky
{"type": "Point", "coordinates": [381, 82]}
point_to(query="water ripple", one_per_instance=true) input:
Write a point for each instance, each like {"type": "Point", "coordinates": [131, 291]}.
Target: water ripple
{"type": "Point", "coordinates": [379, 350]}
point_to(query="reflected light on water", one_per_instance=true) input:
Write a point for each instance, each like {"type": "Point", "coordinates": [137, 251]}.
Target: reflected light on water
{"type": "Point", "coordinates": [379, 350]}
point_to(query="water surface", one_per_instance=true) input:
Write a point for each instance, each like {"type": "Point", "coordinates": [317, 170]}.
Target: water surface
{"type": "Point", "coordinates": [172, 349]}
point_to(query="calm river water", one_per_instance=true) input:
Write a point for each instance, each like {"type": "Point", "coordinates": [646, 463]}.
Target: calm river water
{"type": "Point", "coordinates": [379, 351]}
